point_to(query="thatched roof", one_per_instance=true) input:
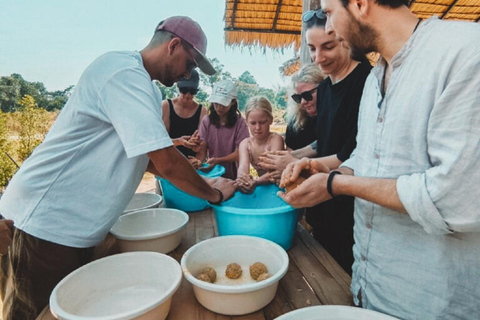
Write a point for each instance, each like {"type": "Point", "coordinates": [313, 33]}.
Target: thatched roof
{"type": "Point", "coordinates": [266, 23]}
{"type": "Point", "coordinates": [277, 23]}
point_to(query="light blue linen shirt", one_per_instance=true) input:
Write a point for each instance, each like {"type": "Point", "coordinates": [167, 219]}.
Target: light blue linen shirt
{"type": "Point", "coordinates": [425, 132]}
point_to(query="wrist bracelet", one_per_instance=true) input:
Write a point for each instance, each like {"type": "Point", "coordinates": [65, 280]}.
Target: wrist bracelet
{"type": "Point", "coordinates": [221, 197]}
{"type": "Point", "coordinates": [329, 182]}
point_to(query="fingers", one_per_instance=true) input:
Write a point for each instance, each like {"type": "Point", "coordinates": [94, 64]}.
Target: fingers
{"type": "Point", "coordinates": [227, 187]}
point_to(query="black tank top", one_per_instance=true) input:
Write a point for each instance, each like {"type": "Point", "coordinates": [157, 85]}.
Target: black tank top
{"type": "Point", "coordinates": [183, 126]}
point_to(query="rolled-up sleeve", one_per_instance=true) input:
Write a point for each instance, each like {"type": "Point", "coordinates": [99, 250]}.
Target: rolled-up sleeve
{"type": "Point", "coordinates": [446, 197]}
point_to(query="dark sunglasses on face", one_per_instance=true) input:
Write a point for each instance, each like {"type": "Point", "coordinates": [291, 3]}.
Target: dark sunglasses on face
{"type": "Point", "coordinates": [305, 95]}
{"type": "Point", "coordinates": [186, 90]}
{"type": "Point", "coordinates": [307, 16]}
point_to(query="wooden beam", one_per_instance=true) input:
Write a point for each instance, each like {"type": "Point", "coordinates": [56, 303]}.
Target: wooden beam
{"type": "Point", "coordinates": [449, 8]}
{"type": "Point", "coordinates": [233, 12]}
{"type": "Point", "coordinates": [279, 6]}
{"type": "Point", "coordinates": [411, 2]}
{"type": "Point", "coordinates": [262, 30]}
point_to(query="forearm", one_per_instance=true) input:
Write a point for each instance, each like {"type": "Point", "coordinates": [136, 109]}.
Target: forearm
{"type": "Point", "coordinates": [305, 152]}
{"type": "Point", "coordinates": [331, 161]}
{"type": "Point", "coordinates": [177, 142]}
{"type": "Point", "coordinates": [232, 157]}
{"type": "Point", "coordinates": [380, 191]}
{"type": "Point", "coordinates": [202, 152]}
{"type": "Point", "coordinates": [173, 166]}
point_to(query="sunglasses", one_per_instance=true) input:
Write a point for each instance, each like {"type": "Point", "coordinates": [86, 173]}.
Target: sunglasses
{"type": "Point", "coordinates": [186, 90]}
{"type": "Point", "coordinates": [305, 95]}
{"type": "Point", "coordinates": [307, 16]}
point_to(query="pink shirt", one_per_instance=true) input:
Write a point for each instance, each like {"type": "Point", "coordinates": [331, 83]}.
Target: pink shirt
{"type": "Point", "coordinates": [222, 141]}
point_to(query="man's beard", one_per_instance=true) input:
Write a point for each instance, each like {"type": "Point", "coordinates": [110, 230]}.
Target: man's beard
{"type": "Point", "coordinates": [361, 38]}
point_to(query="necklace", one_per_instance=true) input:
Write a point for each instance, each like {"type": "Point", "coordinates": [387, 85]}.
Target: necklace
{"type": "Point", "coordinates": [416, 26]}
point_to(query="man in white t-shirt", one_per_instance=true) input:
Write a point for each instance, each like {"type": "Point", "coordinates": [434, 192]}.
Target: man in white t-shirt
{"type": "Point", "coordinates": [72, 189]}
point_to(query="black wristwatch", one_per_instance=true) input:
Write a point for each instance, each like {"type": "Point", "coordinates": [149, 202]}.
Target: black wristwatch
{"type": "Point", "coordinates": [220, 200]}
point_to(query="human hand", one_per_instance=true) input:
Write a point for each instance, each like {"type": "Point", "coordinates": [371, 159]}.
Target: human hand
{"type": "Point", "coordinates": [245, 183]}
{"type": "Point", "coordinates": [193, 141]}
{"type": "Point", "coordinates": [212, 162]}
{"type": "Point", "coordinates": [226, 186]}
{"type": "Point", "coordinates": [5, 235]}
{"type": "Point", "coordinates": [196, 163]}
{"type": "Point", "coordinates": [311, 192]}
{"type": "Point", "coordinates": [274, 176]}
{"type": "Point", "coordinates": [276, 160]}
{"type": "Point", "coordinates": [294, 170]}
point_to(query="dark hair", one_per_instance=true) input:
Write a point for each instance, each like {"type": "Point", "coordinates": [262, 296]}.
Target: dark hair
{"type": "Point", "coordinates": [316, 22]}
{"type": "Point", "coordinates": [387, 3]}
{"type": "Point", "coordinates": [232, 116]}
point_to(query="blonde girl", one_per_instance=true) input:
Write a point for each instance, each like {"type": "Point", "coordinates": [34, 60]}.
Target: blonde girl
{"type": "Point", "coordinates": [258, 113]}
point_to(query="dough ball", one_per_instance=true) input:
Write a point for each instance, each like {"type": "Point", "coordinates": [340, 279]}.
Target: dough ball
{"type": "Point", "coordinates": [264, 276]}
{"type": "Point", "coordinates": [211, 273]}
{"type": "Point", "coordinates": [257, 269]}
{"type": "Point", "coordinates": [204, 277]}
{"type": "Point", "coordinates": [304, 175]}
{"type": "Point", "coordinates": [233, 271]}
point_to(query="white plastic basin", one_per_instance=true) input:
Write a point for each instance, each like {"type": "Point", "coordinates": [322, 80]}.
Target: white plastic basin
{"type": "Point", "coordinates": [142, 201]}
{"type": "Point", "coordinates": [239, 296]}
{"type": "Point", "coordinates": [135, 285]}
{"type": "Point", "coordinates": [334, 313]}
{"type": "Point", "coordinates": [158, 230]}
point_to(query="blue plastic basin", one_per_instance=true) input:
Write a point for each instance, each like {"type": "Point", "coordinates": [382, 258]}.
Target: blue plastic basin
{"type": "Point", "coordinates": [262, 214]}
{"type": "Point", "coordinates": [177, 199]}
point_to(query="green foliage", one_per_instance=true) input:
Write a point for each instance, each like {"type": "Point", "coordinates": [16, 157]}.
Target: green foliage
{"type": "Point", "coordinates": [34, 126]}
{"type": "Point", "coordinates": [14, 87]}
{"type": "Point", "coordinates": [7, 166]}
{"type": "Point", "coordinates": [247, 77]}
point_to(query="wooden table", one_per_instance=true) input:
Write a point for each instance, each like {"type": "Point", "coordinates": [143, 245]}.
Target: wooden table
{"type": "Point", "coordinates": [313, 277]}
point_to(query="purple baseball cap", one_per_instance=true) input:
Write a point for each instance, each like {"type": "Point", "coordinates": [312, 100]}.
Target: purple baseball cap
{"type": "Point", "coordinates": [191, 32]}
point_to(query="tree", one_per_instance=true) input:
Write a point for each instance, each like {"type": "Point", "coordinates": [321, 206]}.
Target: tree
{"type": "Point", "coordinates": [209, 81]}
{"type": "Point", "coordinates": [7, 166]}
{"type": "Point", "coordinates": [34, 126]}
{"type": "Point", "coordinates": [247, 77]}
{"type": "Point", "coordinates": [14, 87]}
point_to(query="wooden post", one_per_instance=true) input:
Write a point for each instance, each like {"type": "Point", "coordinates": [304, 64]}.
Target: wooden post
{"type": "Point", "coordinates": [304, 54]}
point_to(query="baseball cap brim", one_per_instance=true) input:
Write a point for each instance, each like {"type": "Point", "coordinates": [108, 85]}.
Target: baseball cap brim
{"type": "Point", "coordinates": [223, 100]}
{"type": "Point", "coordinates": [204, 64]}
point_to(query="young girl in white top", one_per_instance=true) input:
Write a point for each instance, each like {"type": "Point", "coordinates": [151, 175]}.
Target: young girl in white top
{"type": "Point", "coordinates": [258, 112]}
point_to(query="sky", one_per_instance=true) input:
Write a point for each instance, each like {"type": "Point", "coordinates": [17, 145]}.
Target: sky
{"type": "Point", "coordinates": [53, 41]}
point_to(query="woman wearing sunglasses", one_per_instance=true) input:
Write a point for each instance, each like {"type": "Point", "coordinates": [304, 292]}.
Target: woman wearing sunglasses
{"type": "Point", "coordinates": [182, 116]}
{"type": "Point", "coordinates": [338, 99]}
{"type": "Point", "coordinates": [302, 109]}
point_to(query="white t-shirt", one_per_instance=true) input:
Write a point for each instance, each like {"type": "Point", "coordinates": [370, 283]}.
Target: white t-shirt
{"type": "Point", "coordinates": [75, 185]}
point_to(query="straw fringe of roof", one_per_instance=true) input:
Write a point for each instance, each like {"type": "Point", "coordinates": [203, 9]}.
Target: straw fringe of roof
{"type": "Point", "coordinates": [257, 39]}
{"type": "Point", "coordinates": [290, 66]}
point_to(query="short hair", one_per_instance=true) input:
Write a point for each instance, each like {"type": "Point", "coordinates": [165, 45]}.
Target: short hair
{"type": "Point", "coordinates": [160, 37]}
{"type": "Point", "coordinates": [309, 73]}
{"type": "Point", "coordinates": [259, 103]}
{"type": "Point", "coordinates": [387, 3]}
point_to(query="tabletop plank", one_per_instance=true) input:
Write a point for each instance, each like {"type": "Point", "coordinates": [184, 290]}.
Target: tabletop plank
{"type": "Point", "coordinates": [313, 276]}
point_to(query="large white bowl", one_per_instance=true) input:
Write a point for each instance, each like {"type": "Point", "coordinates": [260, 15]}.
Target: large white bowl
{"type": "Point", "coordinates": [243, 295]}
{"type": "Point", "coordinates": [141, 201]}
{"type": "Point", "coordinates": [158, 230]}
{"type": "Point", "coordinates": [334, 313]}
{"type": "Point", "coordinates": [135, 285]}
